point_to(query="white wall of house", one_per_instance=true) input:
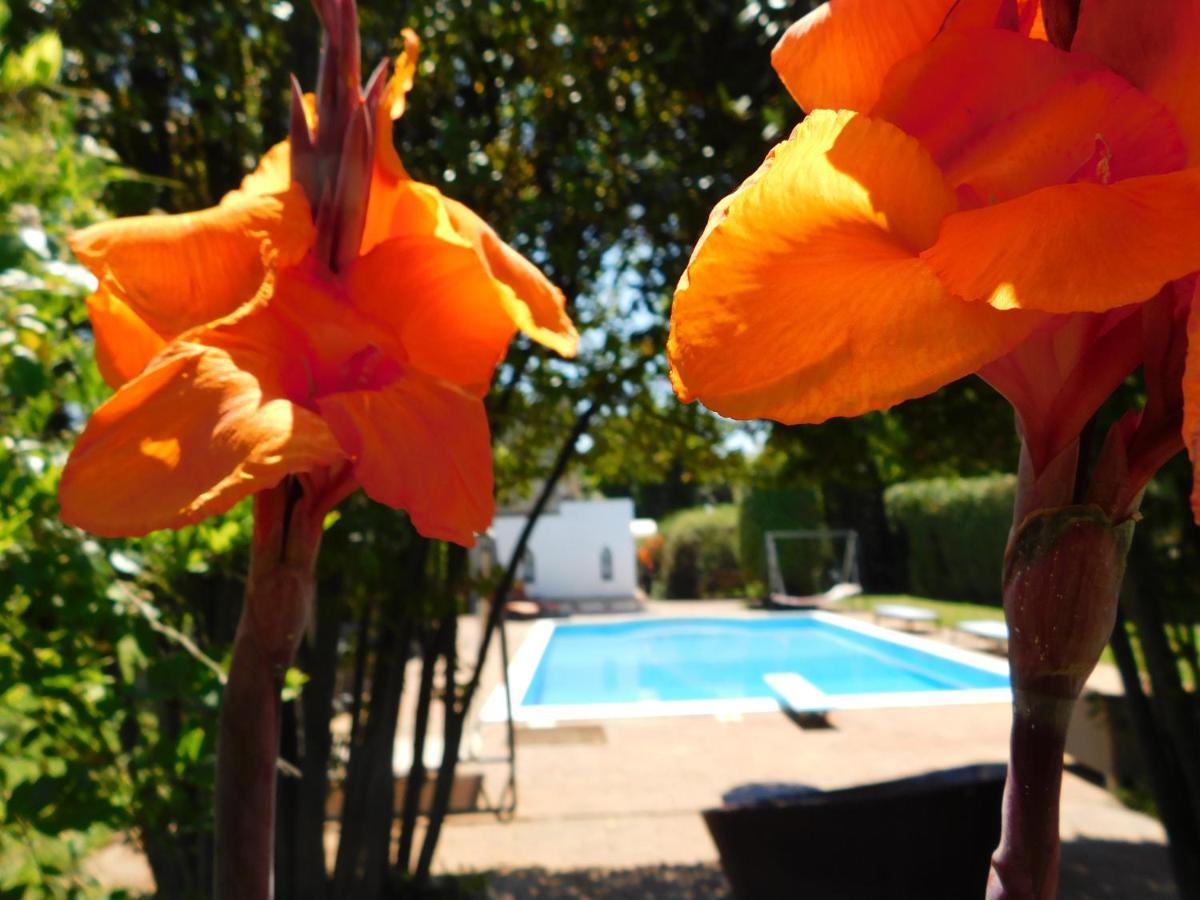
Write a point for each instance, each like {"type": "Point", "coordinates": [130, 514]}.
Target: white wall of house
{"type": "Point", "coordinates": [583, 549]}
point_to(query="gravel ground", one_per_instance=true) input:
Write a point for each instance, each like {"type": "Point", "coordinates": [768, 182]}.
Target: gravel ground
{"type": "Point", "coordinates": [698, 882]}
{"type": "Point", "coordinates": [1091, 870]}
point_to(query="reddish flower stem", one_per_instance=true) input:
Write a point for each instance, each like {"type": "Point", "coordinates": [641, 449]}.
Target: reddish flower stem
{"type": "Point", "coordinates": [1062, 577]}
{"type": "Point", "coordinates": [1026, 864]}
{"type": "Point", "coordinates": [279, 597]}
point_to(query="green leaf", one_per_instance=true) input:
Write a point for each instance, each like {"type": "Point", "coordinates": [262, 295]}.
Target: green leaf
{"type": "Point", "coordinates": [37, 64]}
{"type": "Point", "coordinates": [187, 750]}
{"type": "Point", "coordinates": [293, 683]}
{"type": "Point", "coordinates": [129, 658]}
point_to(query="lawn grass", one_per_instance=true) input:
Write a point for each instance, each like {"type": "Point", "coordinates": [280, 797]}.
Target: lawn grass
{"type": "Point", "coordinates": [950, 612]}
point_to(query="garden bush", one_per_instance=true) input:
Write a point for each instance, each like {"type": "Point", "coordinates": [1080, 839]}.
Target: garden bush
{"type": "Point", "coordinates": [106, 700]}
{"type": "Point", "coordinates": [954, 532]}
{"type": "Point", "coordinates": [699, 553]}
{"type": "Point", "coordinates": [806, 564]}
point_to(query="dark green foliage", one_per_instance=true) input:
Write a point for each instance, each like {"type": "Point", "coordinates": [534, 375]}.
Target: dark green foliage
{"type": "Point", "coordinates": [1166, 554]}
{"type": "Point", "coordinates": [804, 564]}
{"type": "Point", "coordinates": [954, 531]}
{"type": "Point", "coordinates": [106, 700]}
{"type": "Point", "coordinates": [699, 554]}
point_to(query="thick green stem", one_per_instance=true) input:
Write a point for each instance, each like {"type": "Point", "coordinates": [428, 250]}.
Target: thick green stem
{"type": "Point", "coordinates": [279, 596]}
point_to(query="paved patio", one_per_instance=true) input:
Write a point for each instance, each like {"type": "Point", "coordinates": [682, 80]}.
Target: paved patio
{"type": "Point", "coordinates": [626, 794]}
{"type": "Point", "coordinates": [611, 809]}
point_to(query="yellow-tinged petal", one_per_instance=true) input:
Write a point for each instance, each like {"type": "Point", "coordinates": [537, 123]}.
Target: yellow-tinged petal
{"type": "Point", "coordinates": [125, 344]}
{"type": "Point", "coordinates": [837, 56]}
{"type": "Point", "coordinates": [1076, 247]}
{"type": "Point", "coordinates": [179, 271]}
{"type": "Point", "coordinates": [1155, 44]}
{"type": "Point", "coordinates": [401, 83]}
{"type": "Point", "coordinates": [420, 445]}
{"type": "Point", "coordinates": [535, 305]}
{"type": "Point", "coordinates": [197, 431]}
{"type": "Point", "coordinates": [807, 299]}
{"type": "Point", "coordinates": [440, 302]}
{"type": "Point", "coordinates": [273, 175]}
{"type": "Point", "coordinates": [388, 167]}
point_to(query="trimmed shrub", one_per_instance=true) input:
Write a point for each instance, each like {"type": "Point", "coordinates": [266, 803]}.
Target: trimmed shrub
{"type": "Point", "coordinates": [699, 554]}
{"type": "Point", "coordinates": [954, 531]}
{"type": "Point", "coordinates": [805, 564]}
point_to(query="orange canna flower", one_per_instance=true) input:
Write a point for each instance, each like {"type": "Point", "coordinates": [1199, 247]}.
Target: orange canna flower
{"type": "Point", "coordinates": [965, 195]}
{"type": "Point", "coordinates": [336, 318]}
{"type": "Point", "coordinates": [1008, 187]}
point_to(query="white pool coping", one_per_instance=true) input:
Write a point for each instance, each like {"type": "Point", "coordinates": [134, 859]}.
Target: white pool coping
{"type": "Point", "coordinates": [524, 665]}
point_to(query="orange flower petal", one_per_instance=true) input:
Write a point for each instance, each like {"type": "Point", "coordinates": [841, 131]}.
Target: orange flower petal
{"type": "Point", "coordinates": [401, 207]}
{"type": "Point", "coordinates": [1060, 375]}
{"type": "Point", "coordinates": [392, 201]}
{"type": "Point", "coordinates": [179, 271]}
{"type": "Point", "coordinates": [1075, 247]}
{"type": "Point", "coordinates": [447, 312]}
{"type": "Point", "coordinates": [395, 102]}
{"type": "Point", "coordinates": [1091, 126]}
{"type": "Point", "coordinates": [1031, 19]}
{"type": "Point", "coordinates": [197, 431]}
{"type": "Point", "coordinates": [837, 56]}
{"type": "Point", "coordinates": [333, 346]}
{"type": "Point", "coordinates": [463, 292]}
{"type": "Point", "coordinates": [393, 105]}
{"type": "Point", "coordinates": [535, 305]}
{"type": "Point", "coordinates": [125, 344]}
{"type": "Point", "coordinates": [1191, 400]}
{"type": "Point", "coordinates": [1041, 124]}
{"type": "Point", "coordinates": [949, 93]}
{"type": "Point", "coordinates": [806, 299]}
{"type": "Point", "coordinates": [969, 15]}
{"type": "Point", "coordinates": [273, 175]}
{"type": "Point", "coordinates": [422, 446]}
{"type": "Point", "coordinates": [1156, 46]}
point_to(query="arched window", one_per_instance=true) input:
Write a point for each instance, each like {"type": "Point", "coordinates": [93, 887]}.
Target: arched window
{"type": "Point", "coordinates": [606, 565]}
{"type": "Point", "coordinates": [528, 569]}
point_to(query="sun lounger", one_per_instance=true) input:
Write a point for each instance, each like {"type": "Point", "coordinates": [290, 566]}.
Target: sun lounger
{"type": "Point", "coordinates": [989, 629]}
{"type": "Point", "coordinates": [831, 597]}
{"type": "Point", "coordinates": [909, 615]}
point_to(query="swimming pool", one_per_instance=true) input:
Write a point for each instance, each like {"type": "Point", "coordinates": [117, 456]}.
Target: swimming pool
{"type": "Point", "coordinates": [666, 665]}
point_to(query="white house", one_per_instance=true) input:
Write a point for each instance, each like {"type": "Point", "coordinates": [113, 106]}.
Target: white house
{"type": "Point", "coordinates": [580, 553]}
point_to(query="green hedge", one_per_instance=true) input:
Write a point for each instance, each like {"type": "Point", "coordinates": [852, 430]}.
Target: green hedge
{"type": "Point", "coordinates": [954, 531]}
{"type": "Point", "coordinates": [699, 554]}
{"type": "Point", "coordinates": [805, 564]}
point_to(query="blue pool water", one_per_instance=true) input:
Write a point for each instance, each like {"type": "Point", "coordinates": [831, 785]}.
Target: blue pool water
{"type": "Point", "coordinates": [720, 659]}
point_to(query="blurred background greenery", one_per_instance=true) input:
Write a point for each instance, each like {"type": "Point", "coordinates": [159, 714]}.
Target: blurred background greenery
{"type": "Point", "coordinates": [595, 137]}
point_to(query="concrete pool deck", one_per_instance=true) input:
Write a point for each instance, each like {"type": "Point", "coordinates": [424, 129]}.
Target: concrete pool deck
{"type": "Point", "coordinates": [625, 794]}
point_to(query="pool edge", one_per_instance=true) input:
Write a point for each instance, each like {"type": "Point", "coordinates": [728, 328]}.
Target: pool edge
{"type": "Point", "coordinates": [524, 665]}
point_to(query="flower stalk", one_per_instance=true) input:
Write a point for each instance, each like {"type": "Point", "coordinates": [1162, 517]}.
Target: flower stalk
{"type": "Point", "coordinates": [275, 615]}
{"type": "Point", "coordinates": [1062, 579]}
